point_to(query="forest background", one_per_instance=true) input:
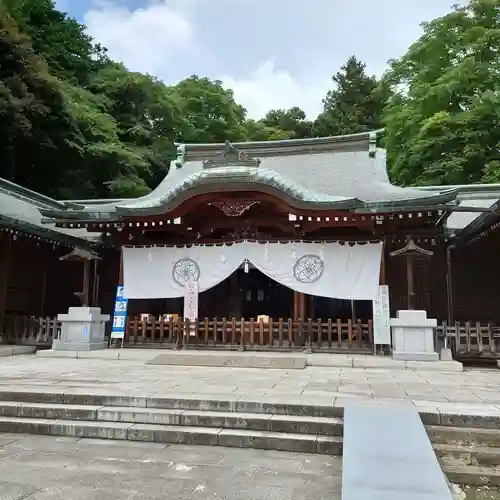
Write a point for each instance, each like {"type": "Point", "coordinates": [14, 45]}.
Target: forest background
{"type": "Point", "coordinates": [76, 124]}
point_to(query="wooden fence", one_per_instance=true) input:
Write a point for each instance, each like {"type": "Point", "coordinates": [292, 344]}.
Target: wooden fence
{"type": "Point", "coordinates": [329, 335]}
{"type": "Point", "coordinates": [30, 330]}
{"type": "Point", "coordinates": [470, 339]}
{"type": "Point", "coordinates": [464, 339]}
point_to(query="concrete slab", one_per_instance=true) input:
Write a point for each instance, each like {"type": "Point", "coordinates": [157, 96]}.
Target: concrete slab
{"type": "Point", "coordinates": [229, 359]}
{"type": "Point", "coordinates": [247, 359]}
{"type": "Point", "coordinates": [415, 356]}
{"type": "Point", "coordinates": [378, 362]}
{"type": "Point", "coordinates": [16, 350]}
{"type": "Point", "coordinates": [109, 471]}
{"type": "Point", "coordinates": [439, 366]}
{"type": "Point", "coordinates": [386, 456]}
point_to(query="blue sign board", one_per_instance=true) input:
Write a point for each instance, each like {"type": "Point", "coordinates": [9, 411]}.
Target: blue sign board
{"type": "Point", "coordinates": [120, 314]}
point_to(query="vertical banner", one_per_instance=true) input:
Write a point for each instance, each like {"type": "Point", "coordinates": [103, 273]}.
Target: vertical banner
{"type": "Point", "coordinates": [119, 315]}
{"type": "Point", "coordinates": [381, 317]}
{"type": "Point", "coordinates": [191, 303]}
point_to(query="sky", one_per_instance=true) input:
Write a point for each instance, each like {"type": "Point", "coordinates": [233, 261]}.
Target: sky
{"type": "Point", "coordinates": [272, 53]}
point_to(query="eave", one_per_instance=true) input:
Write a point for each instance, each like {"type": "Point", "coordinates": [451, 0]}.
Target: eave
{"type": "Point", "coordinates": [45, 233]}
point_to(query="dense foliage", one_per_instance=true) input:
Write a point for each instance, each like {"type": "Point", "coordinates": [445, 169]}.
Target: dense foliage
{"type": "Point", "coordinates": [74, 123]}
{"type": "Point", "coordinates": [442, 124]}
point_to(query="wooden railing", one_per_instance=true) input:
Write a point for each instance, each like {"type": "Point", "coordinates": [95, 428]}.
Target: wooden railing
{"type": "Point", "coordinates": [30, 330]}
{"type": "Point", "coordinates": [251, 334]}
{"type": "Point", "coordinates": [464, 339]}
{"type": "Point", "coordinates": [470, 339]}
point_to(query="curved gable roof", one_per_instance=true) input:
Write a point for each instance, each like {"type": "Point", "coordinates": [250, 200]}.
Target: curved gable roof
{"type": "Point", "coordinates": [326, 173]}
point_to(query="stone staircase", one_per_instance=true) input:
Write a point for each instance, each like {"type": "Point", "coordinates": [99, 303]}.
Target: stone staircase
{"type": "Point", "coordinates": [468, 455]}
{"type": "Point", "coordinates": [172, 420]}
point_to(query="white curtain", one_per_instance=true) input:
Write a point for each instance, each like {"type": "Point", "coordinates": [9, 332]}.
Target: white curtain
{"type": "Point", "coordinates": [334, 270]}
{"type": "Point", "coordinates": [160, 272]}
{"type": "Point", "coordinates": [331, 270]}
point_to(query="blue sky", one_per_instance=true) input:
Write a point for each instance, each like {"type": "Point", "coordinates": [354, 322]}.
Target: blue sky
{"type": "Point", "coordinates": [272, 53]}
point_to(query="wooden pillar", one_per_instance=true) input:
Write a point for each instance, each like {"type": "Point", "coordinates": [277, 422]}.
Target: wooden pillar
{"type": "Point", "coordinates": [299, 305]}
{"type": "Point", "coordinates": [120, 273]}
{"type": "Point", "coordinates": [43, 291]}
{"type": "Point", "coordinates": [234, 296]}
{"type": "Point", "coordinates": [86, 282]}
{"type": "Point", "coordinates": [410, 282]}
{"type": "Point", "coordinates": [449, 288]}
{"type": "Point", "coordinates": [5, 261]}
{"type": "Point", "coordinates": [383, 278]}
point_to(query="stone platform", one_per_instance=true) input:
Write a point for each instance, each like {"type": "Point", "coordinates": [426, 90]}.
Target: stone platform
{"type": "Point", "coordinates": [254, 359]}
{"type": "Point", "coordinates": [14, 350]}
{"type": "Point", "coordinates": [233, 360]}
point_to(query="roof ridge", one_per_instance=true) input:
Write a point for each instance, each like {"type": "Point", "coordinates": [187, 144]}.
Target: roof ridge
{"type": "Point", "coordinates": [364, 141]}
{"type": "Point", "coordinates": [310, 141]}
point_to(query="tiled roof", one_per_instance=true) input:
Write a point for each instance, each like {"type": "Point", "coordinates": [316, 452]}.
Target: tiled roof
{"type": "Point", "coordinates": [324, 173]}
{"type": "Point", "coordinates": [20, 209]}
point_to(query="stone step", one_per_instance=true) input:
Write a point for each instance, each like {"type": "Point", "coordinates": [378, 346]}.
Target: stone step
{"type": "Point", "coordinates": [213, 436]}
{"type": "Point", "coordinates": [464, 436]}
{"type": "Point", "coordinates": [472, 475]}
{"type": "Point", "coordinates": [450, 454]}
{"type": "Point", "coordinates": [189, 418]}
{"type": "Point", "coordinates": [175, 401]}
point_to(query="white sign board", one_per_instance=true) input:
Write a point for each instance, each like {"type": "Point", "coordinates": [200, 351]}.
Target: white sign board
{"type": "Point", "coordinates": [191, 302]}
{"type": "Point", "coordinates": [381, 317]}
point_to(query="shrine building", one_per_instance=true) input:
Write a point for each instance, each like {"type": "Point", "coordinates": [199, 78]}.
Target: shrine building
{"type": "Point", "coordinates": [287, 244]}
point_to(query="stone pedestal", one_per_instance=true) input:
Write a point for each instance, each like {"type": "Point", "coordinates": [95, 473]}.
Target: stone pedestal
{"type": "Point", "coordinates": [413, 336]}
{"type": "Point", "coordinates": [82, 329]}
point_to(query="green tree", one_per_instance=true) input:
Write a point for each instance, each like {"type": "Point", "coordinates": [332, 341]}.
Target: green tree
{"type": "Point", "coordinates": [147, 113]}
{"type": "Point", "coordinates": [37, 132]}
{"type": "Point", "coordinates": [209, 111]}
{"type": "Point", "coordinates": [103, 165]}
{"type": "Point", "coordinates": [291, 121]}
{"type": "Point", "coordinates": [354, 105]}
{"type": "Point", "coordinates": [69, 52]}
{"type": "Point", "coordinates": [258, 131]}
{"type": "Point", "coordinates": [442, 124]}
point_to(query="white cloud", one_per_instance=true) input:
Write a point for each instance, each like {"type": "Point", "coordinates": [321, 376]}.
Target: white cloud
{"type": "Point", "coordinates": [271, 88]}
{"type": "Point", "coordinates": [144, 39]}
{"type": "Point", "coordinates": [270, 55]}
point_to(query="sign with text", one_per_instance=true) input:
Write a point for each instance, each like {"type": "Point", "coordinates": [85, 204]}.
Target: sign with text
{"type": "Point", "coordinates": [119, 315]}
{"type": "Point", "coordinates": [381, 317]}
{"type": "Point", "coordinates": [191, 302]}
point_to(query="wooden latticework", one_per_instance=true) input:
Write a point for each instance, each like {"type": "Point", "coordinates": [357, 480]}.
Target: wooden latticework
{"type": "Point", "coordinates": [232, 333]}
{"type": "Point", "coordinates": [31, 330]}
{"type": "Point", "coordinates": [464, 339]}
{"type": "Point", "coordinates": [471, 339]}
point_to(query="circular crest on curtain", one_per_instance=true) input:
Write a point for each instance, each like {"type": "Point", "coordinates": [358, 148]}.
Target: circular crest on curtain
{"type": "Point", "coordinates": [185, 270]}
{"type": "Point", "coordinates": [308, 268]}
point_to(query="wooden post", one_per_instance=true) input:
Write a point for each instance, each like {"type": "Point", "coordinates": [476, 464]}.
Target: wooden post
{"type": "Point", "coordinates": [449, 287]}
{"type": "Point", "coordinates": [299, 305]}
{"type": "Point", "coordinates": [120, 273]}
{"type": "Point", "coordinates": [43, 292]}
{"type": "Point", "coordinates": [5, 260]}
{"type": "Point", "coordinates": [383, 278]}
{"type": "Point", "coordinates": [410, 282]}
{"type": "Point", "coordinates": [86, 282]}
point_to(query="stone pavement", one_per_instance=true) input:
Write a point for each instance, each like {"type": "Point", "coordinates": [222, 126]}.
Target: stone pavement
{"type": "Point", "coordinates": [49, 468]}
{"type": "Point", "coordinates": [473, 391]}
